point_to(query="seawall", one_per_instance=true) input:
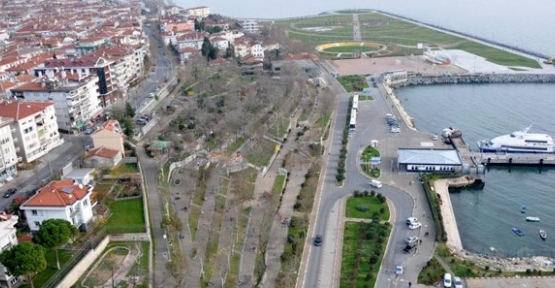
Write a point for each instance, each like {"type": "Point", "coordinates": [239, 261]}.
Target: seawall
{"type": "Point", "coordinates": [421, 79]}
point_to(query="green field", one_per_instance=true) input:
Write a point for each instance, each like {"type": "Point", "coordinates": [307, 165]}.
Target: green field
{"type": "Point", "coordinates": [363, 248]}
{"type": "Point", "coordinates": [399, 36]}
{"type": "Point", "coordinates": [371, 203]}
{"type": "Point", "coordinates": [127, 216]}
{"type": "Point", "coordinates": [353, 83]}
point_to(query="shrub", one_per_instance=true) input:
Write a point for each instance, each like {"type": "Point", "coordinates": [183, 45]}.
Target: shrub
{"type": "Point", "coordinates": [372, 193]}
{"type": "Point", "coordinates": [339, 177]}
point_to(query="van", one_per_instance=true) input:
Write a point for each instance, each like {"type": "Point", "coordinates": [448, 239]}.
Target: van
{"type": "Point", "coordinates": [376, 183]}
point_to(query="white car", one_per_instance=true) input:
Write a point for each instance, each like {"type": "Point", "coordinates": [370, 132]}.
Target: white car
{"type": "Point", "coordinates": [416, 226]}
{"type": "Point", "coordinates": [457, 282]}
{"type": "Point", "coordinates": [412, 220]}
{"type": "Point", "coordinates": [411, 240]}
{"type": "Point", "coordinates": [399, 270]}
{"type": "Point", "coordinates": [151, 95]}
{"type": "Point", "coordinates": [447, 283]}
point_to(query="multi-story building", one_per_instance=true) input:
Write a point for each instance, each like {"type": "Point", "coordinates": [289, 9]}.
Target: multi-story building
{"type": "Point", "coordinates": [60, 200]}
{"type": "Point", "coordinates": [8, 155]}
{"type": "Point", "coordinates": [34, 130]}
{"type": "Point", "coordinates": [86, 65]}
{"type": "Point", "coordinates": [200, 12]}
{"type": "Point", "coordinates": [8, 239]}
{"type": "Point", "coordinates": [250, 26]}
{"type": "Point", "coordinates": [76, 99]}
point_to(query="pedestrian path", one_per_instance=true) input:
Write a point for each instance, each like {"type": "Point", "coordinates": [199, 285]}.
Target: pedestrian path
{"type": "Point", "coordinates": [357, 36]}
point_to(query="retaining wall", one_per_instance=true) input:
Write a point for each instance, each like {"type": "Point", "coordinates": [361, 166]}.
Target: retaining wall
{"type": "Point", "coordinates": [419, 79]}
{"type": "Point", "coordinates": [81, 267]}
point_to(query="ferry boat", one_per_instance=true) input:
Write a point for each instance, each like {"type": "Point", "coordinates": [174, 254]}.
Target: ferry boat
{"type": "Point", "coordinates": [532, 219]}
{"type": "Point", "coordinates": [519, 142]}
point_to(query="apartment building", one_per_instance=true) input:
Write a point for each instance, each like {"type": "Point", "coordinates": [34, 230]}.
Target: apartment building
{"type": "Point", "coordinates": [8, 239]}
{"type": "Point", "coordinates": [60, 200]}
{"type": "Point", "coordinates": [201, 12]}
{"type": "Point", "coordinates": [34, 130]}
{"type": "Point", "coordinates": [8, 155]}
{"type": "Point", "coordinates": [250, 26]}
{"type": "Point", "coordinates": [75, 97]}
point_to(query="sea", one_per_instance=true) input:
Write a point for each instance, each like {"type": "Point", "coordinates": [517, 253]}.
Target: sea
{"type": "Point", "coordinates": [485, 217]}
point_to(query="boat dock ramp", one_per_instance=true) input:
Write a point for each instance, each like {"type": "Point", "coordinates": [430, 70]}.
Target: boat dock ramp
{"type": "Point", "coordinates": [476, 158]}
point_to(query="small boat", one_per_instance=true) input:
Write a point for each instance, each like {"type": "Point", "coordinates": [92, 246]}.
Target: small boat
{"type": "Point", "coordinates": [518, 232]}
{"type": "Point", "coordinates": [523, 209]}
{"type": "Point", "coordinates": [543, 234]}
{"type": "Point", "coordinates": [533, 219]}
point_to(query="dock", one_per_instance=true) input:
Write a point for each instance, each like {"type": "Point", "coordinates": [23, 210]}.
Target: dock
{"type": "Point", "coordinates": [475, 158]}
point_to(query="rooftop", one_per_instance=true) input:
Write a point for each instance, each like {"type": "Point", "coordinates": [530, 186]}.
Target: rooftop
{"type": "Point", "coordinates": [19, 110]}
{"type": "Point", "coordinates": [58, 194]}
{"type": "Point", "coordinates": [429, 157]}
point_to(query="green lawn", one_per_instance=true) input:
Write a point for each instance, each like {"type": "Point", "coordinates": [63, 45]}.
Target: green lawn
{"type": "Point", "coordinates": [125, 168]}
{"type": "Point", "coordinates": [368, 153]}
{"type": "Point", "coordinates": [353, 83]}
{"type": "Point", "coordinates": [260, 154]}
{"type": "Point", "coordinates": [127, 216]}
{"type": "Point", "coordinates": [365, 98]}
{"type": "Point", "coordinates": [431, 273]}
{"type": "Point", "coordinates": [394, 34]}
{"type": "Point", "coordinates": [235, 145]}
{"type": "Point", "coordinates": [194, 216]}
{"type": "Point", "coordinates": [279, 184]}
{"type": "Point", "coordinates": [51, 268]}
{"type": "Point", "coordinates": [363, 248]}
{"type": "Point", "coordinates": [369, 202]}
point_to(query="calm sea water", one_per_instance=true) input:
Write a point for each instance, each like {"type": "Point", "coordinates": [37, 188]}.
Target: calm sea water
{"type": "Point", "coordinates": [527, 24]}
{"type": "Point", "coordinates": [485, 217]}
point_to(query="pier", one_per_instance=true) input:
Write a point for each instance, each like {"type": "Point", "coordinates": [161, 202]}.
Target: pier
{"type": "Point", "coordinates": [475, 158]}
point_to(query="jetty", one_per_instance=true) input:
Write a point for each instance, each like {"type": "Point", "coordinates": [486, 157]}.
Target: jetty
{"type": "Point", "coordinates": [476, 158]}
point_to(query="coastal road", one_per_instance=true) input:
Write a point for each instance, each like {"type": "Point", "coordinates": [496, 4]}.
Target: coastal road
{"type": "Point", "coordinates": [371, 125]}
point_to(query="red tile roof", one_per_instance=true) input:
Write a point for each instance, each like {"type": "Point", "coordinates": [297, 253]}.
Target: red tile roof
{"type": "Point", "coordinates": [58, 194]}
{"type": "Point", "coordinates": [103, 152]}
{"type": "Point", "coordinates": [18, 110]}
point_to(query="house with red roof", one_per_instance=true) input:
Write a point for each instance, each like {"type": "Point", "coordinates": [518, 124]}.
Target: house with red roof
{"type": "Point", "coordinates": [60, 200]}
{"type": "Point", "coordinates": [109, 136]}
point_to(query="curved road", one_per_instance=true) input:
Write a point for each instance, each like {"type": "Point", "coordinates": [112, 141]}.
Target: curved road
{"type": "Point", "coordinates": [371, 125]}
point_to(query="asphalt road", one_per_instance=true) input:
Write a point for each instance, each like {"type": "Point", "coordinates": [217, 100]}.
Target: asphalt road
{"type": "Point", "coordinates": [51, 163]}
{"type": "Point", "coordinates": [370, 125]}
{"type": "Point", "coordinates": [158, 75]}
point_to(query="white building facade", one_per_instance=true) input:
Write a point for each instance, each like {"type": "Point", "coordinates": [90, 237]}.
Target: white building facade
{"type": "Point", "coordinates": [8, 239]}
{"type": "Point", "coordinates": [60, 200]}
{"type": "Point", "coordinates": [8, 155]}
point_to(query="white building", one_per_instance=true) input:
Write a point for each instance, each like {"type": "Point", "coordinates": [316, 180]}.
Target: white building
{"type": "Point", "coordinates": [60, 200]}
{"type": "Point", "coordinates": [8, 155]}
{"type": "Point", "coordinates": [75, 96]}
{"type": "Point", "coordinates": [257, 50]}
{"type": "Point", "coordinates": [8, 239]}
{"type": "Point", "coordinates": [201, 12]}
{"type": "Point", "coordinates": [34, 130]}
{"type": "Point", "coordinates": [250, 26]}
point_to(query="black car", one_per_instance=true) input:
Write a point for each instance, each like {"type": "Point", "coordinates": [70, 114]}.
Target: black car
{"type": "Point", "coordinates": [318, 240]}
{"type": "Point", "coordinates": [10, 192]}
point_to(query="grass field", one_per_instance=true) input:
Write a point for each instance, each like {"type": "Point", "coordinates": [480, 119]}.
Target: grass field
{"type": "Point", "coordinates": [127, 216]}
{"type": "Point", "coordinates": [371, 203]}
{"type": "Point", "coordinates": [353, 83]}
{"type": "Point", "coordinates": [402, 35]}
{"type": "Point", "coordinates": [363, 248]}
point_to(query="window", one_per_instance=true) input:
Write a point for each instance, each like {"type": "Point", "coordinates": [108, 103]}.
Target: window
{"type": "Point", "coordinates": [86, 202]}
{"type": "Point", "coordinates": [37, 223]}
{"type": "Point", "coordinates": [34, 212]}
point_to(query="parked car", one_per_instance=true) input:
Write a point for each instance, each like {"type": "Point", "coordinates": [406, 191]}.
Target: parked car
{"type": "Point", "coordinates": [151, 95]}
{"type": "Point", "coordinates": [318, 240]}
{"type": "Point", "coordinates": [141, 122]}
{"type": "Point", "coordinates": [10, 192]}
{"type": "Point", "coordinates": [457, 282]}
{"type": "Point", "coordinates": [414, 226]}
{"type": "Point", "coordinates": [411, 240]}
{"type": "Point", "coordinates": [398, 270]}
{"type": "Point", "coordinates": [447, 281]}
{"type": "Point", "coordinates": [408, 248]}
{"type": "Point", "coordinates": [411, 220]}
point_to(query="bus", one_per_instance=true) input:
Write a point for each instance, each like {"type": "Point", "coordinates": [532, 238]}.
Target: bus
{"type": "Point", "coordinates": [355, 102]}
{"type": "Point", "coordinates": [353, 121]}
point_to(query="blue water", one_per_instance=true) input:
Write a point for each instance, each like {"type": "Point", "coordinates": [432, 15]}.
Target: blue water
{"type": "Point", "coordinates": [485, 217]}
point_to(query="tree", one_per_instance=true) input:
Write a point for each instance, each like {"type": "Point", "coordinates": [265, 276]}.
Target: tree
{"type": "Point", "coordinates": [127, 126]}
{"type": "Point", "coordinates": [129, 111]}
{"type": "Point", "coordinates": [199, 25]}
{"type": "Point", "coordinates": [213, 54]}
{"type": "Point", "coordinates": [54, 233]}
{"type": "Point", "coordinates": [206, 47]}
{"type": "Point", "coordinates": [24, 259]}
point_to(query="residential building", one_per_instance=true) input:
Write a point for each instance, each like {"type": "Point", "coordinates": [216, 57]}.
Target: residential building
{"type": "Point", "coordinates": [34, 130]}
{"type": "Point", "coordinates": [249, 26]}
{"type": "Point", "coordinates": [60, 200]}
{"type": "Point", "coordinates": [103, 158]}
{"type": "Point", "coordinates": [8, 239]}
{"type": "Point", "coordinates": [84, 176]}
{"type": "Point", "coordinates": [76, 99]}
{"type": "Point", "coordinates": [109, 136]}
{"type": "Point", "coordinates": [200, 12]}
{"type": "Point", "coordinates": [8, 155]}
{"type": "Point", "coordinates": [257, 50]}
{"type": "Point", "coordinates": [85, 66]}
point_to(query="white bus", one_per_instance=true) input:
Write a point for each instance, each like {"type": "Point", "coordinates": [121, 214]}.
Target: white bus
{"type": "Point", "coordinates": [353, 121]}
{"type": "Point", "coordinates": [355, 102]}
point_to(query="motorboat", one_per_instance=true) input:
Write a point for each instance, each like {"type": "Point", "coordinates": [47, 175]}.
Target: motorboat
{"type": "Point", "coordinates": [518, 232]}
{"type": "Point", "coordinates": [543, 234]}
{"type": "Point", "coordinates": [523, 209]}
{"type": "Point", "coordinates": [519, 142]}
{"type": "Point", "coordinates": [533, 219]}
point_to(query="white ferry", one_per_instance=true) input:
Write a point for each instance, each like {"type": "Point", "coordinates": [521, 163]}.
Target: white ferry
{"type": "Point", "coordinates": [519, 142]}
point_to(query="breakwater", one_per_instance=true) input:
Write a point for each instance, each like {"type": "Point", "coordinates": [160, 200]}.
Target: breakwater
{"type": "Point", "coordinates": [421, 79]}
